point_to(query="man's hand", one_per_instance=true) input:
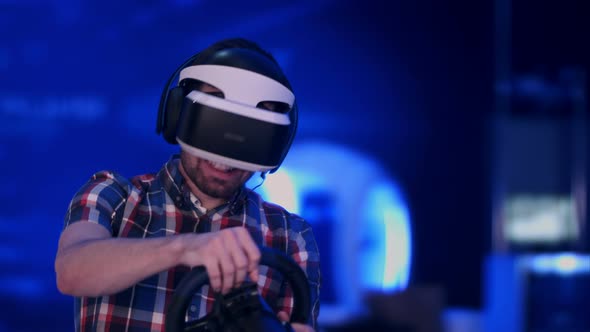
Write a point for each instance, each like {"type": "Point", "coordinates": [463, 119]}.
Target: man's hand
{"type": "Point", "coordinates": [228, 255]}
{"type": "Point", "coordinates": [283, 317]}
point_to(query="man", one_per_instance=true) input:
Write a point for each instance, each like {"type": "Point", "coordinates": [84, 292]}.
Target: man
{"type": "Point", "coordinates": [127, 243]}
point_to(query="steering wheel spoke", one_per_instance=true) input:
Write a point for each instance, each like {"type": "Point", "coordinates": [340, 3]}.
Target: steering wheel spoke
{"type": "Point", "coordinates": [206, 323]}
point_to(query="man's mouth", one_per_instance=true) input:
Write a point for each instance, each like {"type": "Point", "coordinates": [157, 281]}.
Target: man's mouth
{"type": "Point", "coordinates": [220, 167]}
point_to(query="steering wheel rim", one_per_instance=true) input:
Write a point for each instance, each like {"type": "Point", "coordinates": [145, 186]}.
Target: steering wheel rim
{"type": "Point", "coordinates": [197, 278]}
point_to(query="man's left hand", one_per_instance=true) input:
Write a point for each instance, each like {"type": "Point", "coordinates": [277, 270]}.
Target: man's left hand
{"type": "Point", "coordinates": [283, 317]}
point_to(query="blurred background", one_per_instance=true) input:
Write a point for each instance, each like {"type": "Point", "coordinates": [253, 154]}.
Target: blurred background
{"type": "Point", "coordinates": [441, 155]}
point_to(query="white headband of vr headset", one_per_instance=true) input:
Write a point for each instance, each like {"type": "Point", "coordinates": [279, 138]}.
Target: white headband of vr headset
{"type": "Point", "coordinates": [240, 85]}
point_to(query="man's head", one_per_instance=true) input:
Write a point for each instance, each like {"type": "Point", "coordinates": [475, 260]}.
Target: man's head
{"type": "Point", "coordinates": [234, 125]}
{"type": "Point", "coordinates": [232, 113]}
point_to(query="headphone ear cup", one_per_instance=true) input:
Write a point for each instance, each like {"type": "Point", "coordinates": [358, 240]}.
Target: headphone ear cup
{"type": "Point", "coordinates": [172, 113]}
{"type": "Point", "coordinates": [294, 117]}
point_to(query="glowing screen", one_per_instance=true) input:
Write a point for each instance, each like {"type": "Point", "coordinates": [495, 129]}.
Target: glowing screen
{"type": "Point", "coordinates": [359, 217]}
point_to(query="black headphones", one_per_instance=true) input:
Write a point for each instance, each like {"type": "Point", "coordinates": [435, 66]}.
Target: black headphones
{"type": "Point", "coordinates": [171, 105]}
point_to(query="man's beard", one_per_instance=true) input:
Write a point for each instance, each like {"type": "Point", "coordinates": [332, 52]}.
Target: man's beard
{"type": "Point", "coordinates": [214, 187]}
{"type": "Point", "coordinates": [210, 185]}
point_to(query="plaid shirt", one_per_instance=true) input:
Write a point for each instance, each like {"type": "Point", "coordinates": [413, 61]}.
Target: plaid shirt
{"type": "Point", "coordinates": [162, 205]}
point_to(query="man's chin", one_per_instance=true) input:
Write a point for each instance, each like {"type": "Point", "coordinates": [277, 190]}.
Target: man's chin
{"type": "Point", "coordinates": [217, 190]}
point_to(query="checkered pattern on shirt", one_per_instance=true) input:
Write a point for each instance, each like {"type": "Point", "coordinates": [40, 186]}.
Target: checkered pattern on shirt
{"type": "Point", "coordinates": [160, 205]}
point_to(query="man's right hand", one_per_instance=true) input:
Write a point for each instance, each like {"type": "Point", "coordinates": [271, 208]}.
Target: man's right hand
{"type": "Point", "coordinates": [228, 255]}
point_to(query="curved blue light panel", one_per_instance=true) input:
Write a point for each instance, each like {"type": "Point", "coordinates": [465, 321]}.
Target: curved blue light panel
{"type": "Point", "coordinates": [387, 212]}
{"type": "Point", "coordinates": [359, 216]}
{"type": "Point", "coordinates": [560, 263]}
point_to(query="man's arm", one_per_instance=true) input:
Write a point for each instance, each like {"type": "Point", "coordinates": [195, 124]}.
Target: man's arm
{"type": "Point", "coordinates": [90, 262]}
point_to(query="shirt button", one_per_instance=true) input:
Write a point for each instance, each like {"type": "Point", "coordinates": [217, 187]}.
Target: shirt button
{"type": "Point", "coordinates": [193, 308]}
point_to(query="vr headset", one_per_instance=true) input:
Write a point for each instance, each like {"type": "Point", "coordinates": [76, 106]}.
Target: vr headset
{"type": "Point", "coordinates": [236, 129]}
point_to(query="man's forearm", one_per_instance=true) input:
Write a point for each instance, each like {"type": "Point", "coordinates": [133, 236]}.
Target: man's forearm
{"type": "Point", "coordinates": [105, 266]}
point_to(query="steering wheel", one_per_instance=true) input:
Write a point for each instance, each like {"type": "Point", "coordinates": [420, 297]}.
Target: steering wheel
{"type": "Point", "coordinates": [198, 277]}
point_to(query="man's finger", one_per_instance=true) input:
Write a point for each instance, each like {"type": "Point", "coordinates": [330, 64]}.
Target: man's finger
{"type": "Point", "coordinates": [252, 252]}
{"type": "Point", "coordinates": [228, 270]}
{"type": "Point", "coordinates": [283, 317]}
{"type": "Point", "coordinates": [214, 273]}
{"type": "Point", "coordinates": [239, 259]}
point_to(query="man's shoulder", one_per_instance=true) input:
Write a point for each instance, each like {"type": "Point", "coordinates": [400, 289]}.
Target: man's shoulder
{"type": "Point", "coordinates": [270, 207]}
{"type": "Point", "coordinates": [143, 181]}
{"type": "Point", "coordinates": [114, 179]}
{"type": "Point", "coordinates": [109, 179]}
{"type": "Point", "coordinates": [275, 210]}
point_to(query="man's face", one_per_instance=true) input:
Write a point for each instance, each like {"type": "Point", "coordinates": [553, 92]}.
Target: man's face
{"type": "Point", "coordinates": [212, 179]}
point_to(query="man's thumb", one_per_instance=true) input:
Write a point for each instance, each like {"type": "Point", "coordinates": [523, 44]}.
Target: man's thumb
{"type": "Point", "coordinates": [283, 317]}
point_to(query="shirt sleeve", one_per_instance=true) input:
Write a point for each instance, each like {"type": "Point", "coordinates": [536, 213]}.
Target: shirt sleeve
{"type": "Point", "coordinates": [302, 247]}
{"type": "Point", "coordinates": [99, 201]}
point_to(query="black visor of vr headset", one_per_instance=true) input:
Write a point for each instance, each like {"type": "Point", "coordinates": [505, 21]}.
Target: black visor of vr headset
{"type": "Point", "coordinates": [233, 130]}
